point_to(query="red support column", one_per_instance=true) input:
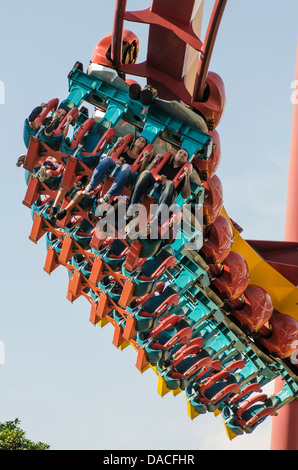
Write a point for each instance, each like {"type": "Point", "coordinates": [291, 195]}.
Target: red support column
{"type": "Point", "coordinates": [285, 425]}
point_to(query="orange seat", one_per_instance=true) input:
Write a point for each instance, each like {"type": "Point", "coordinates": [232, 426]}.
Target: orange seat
{"type": "Point", "coordinates": [220, 241]}
{"type": "Point", "coordinates": [257, 308]}
{"type": "Point", "coordinates": [283, 341]}
{"type": "Point", "coordinates": [213, 202]}
{"type": "Point", "coordinates": [235, 277]}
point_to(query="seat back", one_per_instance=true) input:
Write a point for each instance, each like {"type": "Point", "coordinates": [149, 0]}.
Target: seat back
{"type": "Point", "coordinates": [135, 167]}
{"type": "Point", "coordinates": [181, 174]}
{"type": "Point", "coordinates": [51, 106]}
{"type": "Point", "coordinates": [74, 113]}
{"type": "Point", "coordinates": [156, 170]}
{"type": "Point", "coordinates": [116, 153]}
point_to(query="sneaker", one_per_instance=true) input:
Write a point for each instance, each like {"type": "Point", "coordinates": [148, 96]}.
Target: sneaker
{"type": "Point", "coordinates": [52, 212]}
{"type": "Point", "coordinates": [105, 199]}
{"type": "Point", "coordinates": [42, 174]}
{"type": "Point", "coordinates": [21, 160]}
{"type": "Point", "coordinates": [130, 213]}
{"type": "Point", "coordinates": [52, 126]}
{"type": "Point", "coordinates": [61, 214]}
{"type": "Point", "coordinates": [88, 190]}
{"type": "Point", "coordinates": [35, 113]}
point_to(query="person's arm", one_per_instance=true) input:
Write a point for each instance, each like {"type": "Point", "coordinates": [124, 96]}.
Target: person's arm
{"type": "Point", "coordinates": [144, 162]}
{"type": "Point", "coordinates": [35, 113]}
{"type": "Point", "coordinates": [185, 191]}
{"type": "Point", "coordinates": [118, 142]}
{"type": "Point", "coordinates": [66, 128]}
{"type": "Point", "coordinates": [154, 162]}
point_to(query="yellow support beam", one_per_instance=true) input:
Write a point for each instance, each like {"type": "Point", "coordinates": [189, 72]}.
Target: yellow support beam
{"type": "Point", "coordinates": [283, 293]}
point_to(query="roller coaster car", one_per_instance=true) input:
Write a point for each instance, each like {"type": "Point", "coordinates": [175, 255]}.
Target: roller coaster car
{"type": "Point", "coordinates": [50, 107]}
{"type": "Point", "coordinates": [36, 189]}
{"type": "Point", "coordinates": [74, 114]}
{"type": "Point", "coordinates": [234, 278]}
{"type": "Point", "coordinates": [156, 171]}
{"type": "Point", "coordinates": [158, 166]}
{"type": "Point", "coordinates": [146, 314]}
{"type": "Point", "coordinates": [115, 254]}
{"type": "Point", "coordinates": [83, 234]}
{"type": "Point", "coordinates": [217, 389]}
{"type": "Point", "coordinates": [147, 273]}
{"type": "Point", "coordinates": [213, 202]}
{"type": "Point", "coordinates": [256, 310]}
{"type": "Point", "coordinates": [219, 241]}
{"type": "Point", "coordinates": [213, 103]}
{"type": "Point", "coordinates": [130, 49]}
{"type": "Point", "coordinates": [171, 333]}
{"type": "Point", "coordinates": [116, 156]}
{"type": "Point", "coordinates": [249, 415]}
{"type": "Point", "coordinates": [185, 364]}
{"type": "Point", "coordinates": [207, 168]}
{"type": "Point", "coordinates": [283, 335]}
{"type": "Point", "coordinates": [54, 141]}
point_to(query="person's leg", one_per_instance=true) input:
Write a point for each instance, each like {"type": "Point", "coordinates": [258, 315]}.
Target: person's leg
{"type": "Point", "coordinates": [101, 171]}
{"type": "Point", "coordinates": [48, 168]}
{"type": "Point", "coordinates": [144, 182]}
{"type": "Point", "coordinates": [120, 181]}
{"type": "Point", "coordinates": [166, 199]}
{"type": "Point", "coordinates": [21, 160]}
{"type": "Point", "coordinates": [44, 173]}
{"type": "Point", "coordinates": [52, 126]}
{"type": "Point", "coordinates": [60, 195]}
{"type": "Point", "coordinates": [34, 114]}
{"type": "Point", "coordinates": [78, 197]}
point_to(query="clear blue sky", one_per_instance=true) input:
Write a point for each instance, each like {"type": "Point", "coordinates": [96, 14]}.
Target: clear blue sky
{"type": "Point", "coordinates": [62, 377]}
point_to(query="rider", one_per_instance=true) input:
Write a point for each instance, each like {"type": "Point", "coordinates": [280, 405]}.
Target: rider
{"type": "Point", "coordinates": [167, 191]}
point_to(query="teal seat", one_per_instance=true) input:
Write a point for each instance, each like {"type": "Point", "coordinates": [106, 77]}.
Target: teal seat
{"type": "Point", "coordinates": [28, 132]}
{"type": "Point", "coordinates": [81, 264]}
{"type": "Point", "coordinates": [115, 255]}
{"type": "Point", "coordinates": [83, 234]}
{"type": "Point", "coordinates": [145, 278]}
{"type": "Point", "coordinates": [162, 341]}
{"type": "Point", "coordinates": [154, 307]}
{"type": "Point", "coordinates": [53, 242]}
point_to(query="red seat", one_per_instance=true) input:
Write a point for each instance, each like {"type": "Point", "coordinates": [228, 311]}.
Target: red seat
{"type": "Point", "coordinates": [207, 168]}
{"type": "Point", "coordinates": [181, 174]}
{"type": "Point", "coordinates": [213, 202]}
{"type": "Point", "coordinates": [212, 105]}
{"type": "Point", "coordinates": [86, 127]}
{"type": "Point", "coordinates": [257, 308]}
{"type": "Point", "coordinates": [220, 241]}
{"type": "Point", "coordinates": [116, 153]}
{"type": "Point", "coordinates": [74, 113]}
{"type": "Point", "coordinates": [157, 168]}
{"type": "Point", "coordinates": [283, 341]}
{"type": "Point", "coordinates": [51, 106]}
{"type": "Point", "coordinates": [235, 277]}
{"type": "Point", "coordinates": [253, 411]}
